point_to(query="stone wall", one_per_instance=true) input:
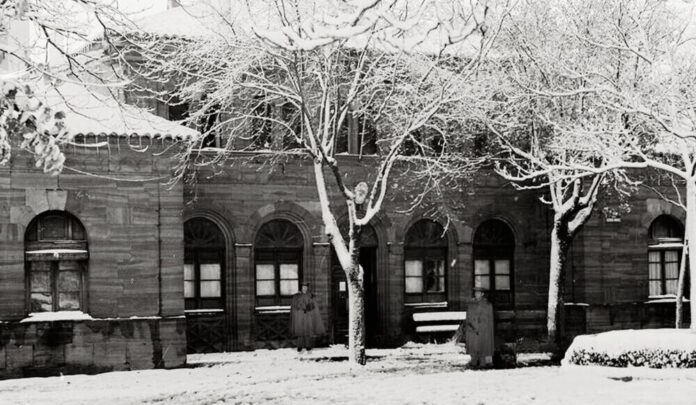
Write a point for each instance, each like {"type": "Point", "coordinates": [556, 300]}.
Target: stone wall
{"type": "Point", "coordinates": [135, 241]}
{"type": "Point", "coordinates": [68, 347]}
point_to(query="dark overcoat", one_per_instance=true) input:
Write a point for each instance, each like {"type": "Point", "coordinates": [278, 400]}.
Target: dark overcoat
{"type": "Point", "coordinates": [480, 340]}
{"type": "Point", "coordinates": [305, 319]}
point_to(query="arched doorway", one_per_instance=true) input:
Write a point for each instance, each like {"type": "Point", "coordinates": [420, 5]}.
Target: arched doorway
{"type": "Point", "coordinates": [204, 286]}
{"type": "Point", "coordinates": [339, 291]}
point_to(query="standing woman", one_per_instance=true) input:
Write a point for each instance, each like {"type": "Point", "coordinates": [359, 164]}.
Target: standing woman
{"type": "Point", "coordinates": [305, 319]}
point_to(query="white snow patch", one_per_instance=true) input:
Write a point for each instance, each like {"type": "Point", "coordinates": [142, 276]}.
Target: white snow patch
{"type": "Point", "coordinates": [203, 311]}
{"type": "Point", "coordinates": [442, 304]}
{"type": "Point", "coordinates": [436, 328]}
{"type": "Point", "coordinates": [92, 110]}
{"type": "Point", "coordinates": [670, 245]}
{"type": "Point", "coordinates": [616, 342]}
{"type": "Point", "coordinates": [577, 304]}
{"type": "Point", "coordinates": [439, 316]}
{"type": "Point", "coordinates": [56, 251]}
{"type": "Point", "coordinates": [422, 374]}
{"type": "Point", "coordinates": [274, 309]}
{"type": "Point", "coordinates": [57, 316]}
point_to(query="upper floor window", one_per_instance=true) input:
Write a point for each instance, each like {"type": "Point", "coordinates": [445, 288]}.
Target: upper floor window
{"type": "Point", "coordinates": [494, 245]}
{"type": "Point", "coordinates": [56, 261]}
{"type": "Point", "coordinates": [664, 256]}
{"type": "Point", "coordinates": [425, 254]}
{"type": "Point", "coordinates": [278, 262]}
{"type": "Point", "coordinates": [204, 259]}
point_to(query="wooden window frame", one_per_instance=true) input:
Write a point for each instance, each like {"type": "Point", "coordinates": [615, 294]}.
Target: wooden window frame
{"type": "Point", "coordinates": [492, 290]}
{"type": "Point", "coordinates": [197, 302]}
{"type": "Point", "coordinates": [55, 293]}
{"type": "Point", "coordinates": [276, 257]}
{"type": "Point", "coordinates": [35, 239]}
{"type": "Point", "coordinates": [663, 271]}
{"type": "Point", "coordinates": [424, 254]}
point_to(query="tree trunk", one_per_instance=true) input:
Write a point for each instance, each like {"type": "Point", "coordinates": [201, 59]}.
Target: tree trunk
{"type": "Point", "coordinates": [679, 310]}
{"type": "Point", "coordinates": [356, 320]}
{"type": "Point", "coordinates": [559, 253]}
{"type": "Point", "coordinates": [691, 230]}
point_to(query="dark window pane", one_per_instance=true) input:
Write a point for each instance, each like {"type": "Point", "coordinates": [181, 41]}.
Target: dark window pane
{"type": "Point", "coordinates": [78, 232]}
{"type": "Point", "coordinates": [69, 265]}
{"type": "Point", "coordinates": [41, 281]}
{"type": "Point", "coordinates": [68, 281]}
{"type": "Point", "coordinates": [41, 266]}
{"type": "Point", "coordinates": [52, 227]}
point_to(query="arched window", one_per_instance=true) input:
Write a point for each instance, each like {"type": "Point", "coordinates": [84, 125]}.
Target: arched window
{"type": "Point", "coordinates": [494, 245]}
{"type": "Point", "coordinates": [278, 262]}
{"type": "Point", "coordinates": [425, 254]}
{"type": "Point", "coordinates": [56, 260]}
{"type": "Point", "coordinates": [664, 255]}
{"type": "Point", "coordinates": [204, 260]}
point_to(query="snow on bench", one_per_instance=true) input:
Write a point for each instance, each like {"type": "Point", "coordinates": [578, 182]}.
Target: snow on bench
{"type": "Point", "coordinates": [439, 316]}
{"type": "Point", "coordinates": [433, 322]}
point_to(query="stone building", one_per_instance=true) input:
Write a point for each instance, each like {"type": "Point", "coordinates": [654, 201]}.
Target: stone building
{"type": "Point", "coordinates": [108, 267]}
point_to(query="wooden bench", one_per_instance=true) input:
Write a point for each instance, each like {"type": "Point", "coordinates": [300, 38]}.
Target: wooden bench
{"type": "Point", "coordinates": [434, 323]}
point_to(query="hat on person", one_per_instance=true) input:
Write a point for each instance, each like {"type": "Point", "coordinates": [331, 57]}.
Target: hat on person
{"type": "Point", "coordinates": [479, 288]}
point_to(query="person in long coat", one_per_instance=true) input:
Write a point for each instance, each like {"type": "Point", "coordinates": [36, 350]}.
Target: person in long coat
{"type": "Point", "coordinates": [305, 320]}
{"type": "Point", "coordinates": [480, 340]}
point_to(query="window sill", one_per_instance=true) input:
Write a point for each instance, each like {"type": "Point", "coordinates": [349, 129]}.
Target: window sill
{"type": "Point", "coordinates": [57, 316]}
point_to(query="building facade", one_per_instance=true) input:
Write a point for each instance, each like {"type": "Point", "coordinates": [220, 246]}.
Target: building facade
{"type": "Point", "coordinates": [108, 266]}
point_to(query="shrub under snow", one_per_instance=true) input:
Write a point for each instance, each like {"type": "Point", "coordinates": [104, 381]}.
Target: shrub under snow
{"type": "Point", "coordinates": [654, 348]}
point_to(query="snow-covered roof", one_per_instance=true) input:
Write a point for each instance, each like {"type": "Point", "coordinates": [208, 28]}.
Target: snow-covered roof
{"type": "Point", "coordinates": [197, 21]}
{"type": "Point", "coordinates": [205, 19]}
{"type": "Point", "coordinates": [93, 110]}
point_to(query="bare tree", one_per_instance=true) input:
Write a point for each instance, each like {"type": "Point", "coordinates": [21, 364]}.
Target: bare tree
{"type": "Point", "coordinates": [297, 78]}
{"type": "Point", "coordinates": [616, 83]}
{"type": "Point", "coordinates": [45, 44]}
{"type": "Point", "coordinates": [548, 117]}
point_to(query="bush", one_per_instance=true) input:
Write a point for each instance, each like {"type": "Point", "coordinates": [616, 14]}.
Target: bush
{"type": "Point", "coordinates": [650, 348]}
{"type": "Point", "coordinates": [653, 358]}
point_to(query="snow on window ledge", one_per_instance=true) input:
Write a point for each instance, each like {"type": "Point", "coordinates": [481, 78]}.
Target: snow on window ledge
{"type": "Point", "coordinates": [667, 298]}
{"type": "Point", "coordinates": [57, 316]}
{"type": "Point", "coordinates": [55, 251]}
{"type": "Point", "coordinates": [576, 304]}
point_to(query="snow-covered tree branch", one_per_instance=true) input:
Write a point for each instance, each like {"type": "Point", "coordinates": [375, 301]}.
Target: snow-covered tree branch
{"type": "Point", "coordinates": [388, 81]}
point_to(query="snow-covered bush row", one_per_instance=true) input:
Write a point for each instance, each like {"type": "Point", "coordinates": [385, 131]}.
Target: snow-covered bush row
{"type": "Point", "coordinates": [654, 348]}
{"type": "Point", "coordinates": [641, 358]}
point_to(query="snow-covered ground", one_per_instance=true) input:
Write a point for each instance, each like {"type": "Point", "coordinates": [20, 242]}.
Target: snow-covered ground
{"type": "Point", "coordinates": [413, 374]}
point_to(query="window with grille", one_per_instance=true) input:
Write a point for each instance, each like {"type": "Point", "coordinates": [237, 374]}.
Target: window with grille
{"type": "Point", "coordinates": [56, 261]}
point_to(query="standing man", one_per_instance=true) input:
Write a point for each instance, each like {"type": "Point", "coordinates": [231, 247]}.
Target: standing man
{"type": "Point", "coordinates": [480, 341]}
{"type": "Point", "coordinates": [305, 319]}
